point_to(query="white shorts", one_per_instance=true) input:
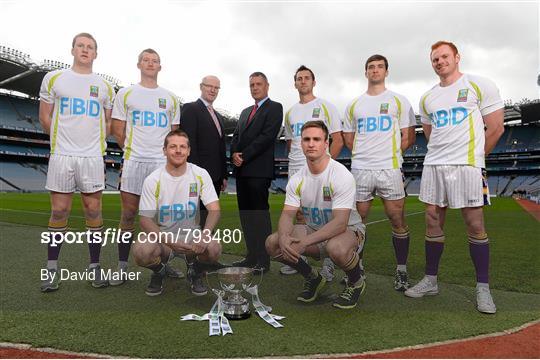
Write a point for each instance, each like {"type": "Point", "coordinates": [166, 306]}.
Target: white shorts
{"type": "Point", "coordinates": [66, 174]}
{"type": "Point", "coordinates": [386, 184]}
{"type": "Point", "coordinates": [455, 186]}
{"type": "Point", "coordinates": [358, 230]}
{"type": "Point", "coordinates": [133, 173]}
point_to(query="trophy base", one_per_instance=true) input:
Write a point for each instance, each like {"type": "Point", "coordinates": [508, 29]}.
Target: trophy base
{"type": "Point", "coordinates": [241, 316]}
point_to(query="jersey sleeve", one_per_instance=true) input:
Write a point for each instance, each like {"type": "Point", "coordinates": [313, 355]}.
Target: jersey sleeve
{"type": "Point", "coordinates": [46, 91]}
{"type": "Point", "coordinates": [424, 115]}
{"type": "Point", "coordinates": [343, 196]}
{"type": "Point", "coordinates": [488, 95]}
{"type": "Point", "coordinates": [293, 190]}
{"type": "Point", "coordinates": [333, 120]}
{"type": "Point", "coordinates": [148, 203]}
{"type": "Point", "coordinates": [408, 119]}
{"type": "Point", "coordinates": [175, 110]}
{"type": "Point", "coordinates": [208, 193]}
{"type": "Point", "coordinates": [119, 107]}
{"type": "Point", "coordinates": [287, 125]}
{"type": "Point", "coordinates": [348, 123]}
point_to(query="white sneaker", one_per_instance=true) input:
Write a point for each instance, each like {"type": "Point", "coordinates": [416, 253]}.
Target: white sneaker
{"type": "Point", "coordinates": [327, 270]}
{"type": "Point", "coordinates": [424, 287]}
{"type": "Point", "coordinates": [484, 301]}
{"type": "Point", "coordinates": [287, 270]}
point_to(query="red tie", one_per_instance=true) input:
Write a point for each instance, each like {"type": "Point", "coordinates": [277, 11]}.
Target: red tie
{"type": "Point", "coordinates": [214, 117]}
{"type": "Point", "coordinates": [252, 113]}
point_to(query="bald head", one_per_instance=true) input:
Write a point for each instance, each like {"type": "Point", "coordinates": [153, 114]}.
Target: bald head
{"type": "Point", "coordinates": [210, 88]}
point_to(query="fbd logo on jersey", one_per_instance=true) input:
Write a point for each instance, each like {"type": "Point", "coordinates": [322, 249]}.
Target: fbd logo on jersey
{"type": "Point", "coordinates": [327, 195]}
{"type": "Point", "coordinates": [162, 103]}
{"type": "Point", "coordinates": [384, 108]}
{"type": "Point", "coordinates": [316, 113]}
{"type": "Point", "coordinates": [193, 190]}
{"type": "Point", "coordinates": [462, 95]}
{"type": "Point", "coordinates": [94, 91]}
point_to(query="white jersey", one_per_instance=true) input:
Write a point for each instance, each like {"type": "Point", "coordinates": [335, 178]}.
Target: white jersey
{"type": "Point", "coordinates": [376, 122]}
{"type": "Point", "coordinates": [298, 115]}
{"type": "Point", "coordinates": [78, 125]}
{"type": "Point", "coordinates": [174, 201]}
{"type": "Point", "coordinates": [455, 115]}
{"type": "Point", "coordinates": [149, 115]}
{"type": "Point", "coordinates": [317, 195]}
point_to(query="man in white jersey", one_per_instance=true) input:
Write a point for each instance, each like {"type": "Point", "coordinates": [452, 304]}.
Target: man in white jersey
{"type": "Point", "coordinates": [309, 108]}
{"type": "Point", "coordinates": [143, 114]}
{"type": "Point", "coordinates": [324, 190]}
{"type": "Point", "coordinates": [169, 213]}
{"type": "Point", "coordinates": [75, 109]}
{"type": "Point", "coordinates": [378, 128]}
{"type": "Point", "coordinates": [454, 114]}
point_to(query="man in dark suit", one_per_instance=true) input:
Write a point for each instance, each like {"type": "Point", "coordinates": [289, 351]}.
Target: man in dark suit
{"type": "Point", "coordinates": [252, 150]}
{"type": "Point", "coordinates": [204, 127]}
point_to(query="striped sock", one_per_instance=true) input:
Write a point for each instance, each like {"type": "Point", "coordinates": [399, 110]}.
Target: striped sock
{"type": "Point", "coordinates": [94, 243]}
{"type": "Point", "coordinates": [479, 251]}
{"type": "Point", "coordinates": [434, 248]}
{"type": "Point", "coordinates": [401, 240]}
{"type": "Point", "coordinates": [126, 239]}
{"type": "Point", "coordinates": [58, 229]}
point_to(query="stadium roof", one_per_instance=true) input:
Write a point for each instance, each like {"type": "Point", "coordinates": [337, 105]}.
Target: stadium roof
{"type": "Point", "coordinates": [18, 72]}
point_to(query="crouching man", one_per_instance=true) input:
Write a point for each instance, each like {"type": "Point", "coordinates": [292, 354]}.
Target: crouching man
{"type": "Point", "coordinates": [169, 217]}
{"type": "Point", "coordinates": [324, 190]}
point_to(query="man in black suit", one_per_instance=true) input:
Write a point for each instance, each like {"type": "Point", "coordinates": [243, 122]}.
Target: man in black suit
{"type": "Point", "coordinates": [204, 127]}
{"type": "Point", "coordinates": [252, 150]}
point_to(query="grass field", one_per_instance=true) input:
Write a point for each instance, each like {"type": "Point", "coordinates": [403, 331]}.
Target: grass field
{"type": "Point", "coordinates": [124, 321]}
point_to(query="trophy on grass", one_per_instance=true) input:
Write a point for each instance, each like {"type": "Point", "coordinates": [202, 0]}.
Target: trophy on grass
{"type": "Point", "coordinates": [232, 282]}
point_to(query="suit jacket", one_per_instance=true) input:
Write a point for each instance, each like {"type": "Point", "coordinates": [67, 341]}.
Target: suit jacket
{"type": "Point", "coordinates": [256, 141]}
{"type": "Point", "coordinates": [207, 147]}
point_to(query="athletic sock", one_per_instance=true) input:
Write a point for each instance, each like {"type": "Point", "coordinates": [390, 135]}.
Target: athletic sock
{"type": "Point", "coordinates": [302, 267]}
{"type": "Point", "coordinates": [479, 251]}
{"type": "Point", "coordinates": [434, 248]}
{"type": "Point", "coordinates": [126, 239]}
{"type": "Point", "coordinates": [401, 240]}
{"type": "Point", "coordinates": [352, 269]}
{"type": "Point", "coordinates": [95, 227]}
{"type": "Point", "coordinates": [57, 230]}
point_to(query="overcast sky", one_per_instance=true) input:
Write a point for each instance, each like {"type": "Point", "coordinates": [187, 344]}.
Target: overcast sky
{"type": "Point", "coordinates": [499, 40]}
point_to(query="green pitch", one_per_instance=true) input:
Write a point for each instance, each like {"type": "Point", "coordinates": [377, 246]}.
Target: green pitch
{"type": "Point", "coordinates": [124, 321]}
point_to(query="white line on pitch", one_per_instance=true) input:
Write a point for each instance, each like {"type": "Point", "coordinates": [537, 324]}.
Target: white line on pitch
{"type": "Point", "coordinates": [382, 220]}
{"type": "Point", "coordinates": [48, 214]}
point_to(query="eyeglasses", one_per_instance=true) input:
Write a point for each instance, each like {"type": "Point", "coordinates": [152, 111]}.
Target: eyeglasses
{"type": "Point", "coordinates": [211, 87]}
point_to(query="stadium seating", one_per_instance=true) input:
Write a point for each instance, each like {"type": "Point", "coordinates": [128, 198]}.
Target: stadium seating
{"type": "Point", "coordinates": [27, 177]}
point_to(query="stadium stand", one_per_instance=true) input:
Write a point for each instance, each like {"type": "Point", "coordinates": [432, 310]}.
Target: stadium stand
{"type": "Point", "coordinates": [513, 166]}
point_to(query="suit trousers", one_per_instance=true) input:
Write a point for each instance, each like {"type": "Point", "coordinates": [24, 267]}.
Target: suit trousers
{"type": "Point", "coordinates": [252, 196]}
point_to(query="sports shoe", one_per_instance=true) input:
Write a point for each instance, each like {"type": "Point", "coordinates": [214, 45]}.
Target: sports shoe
{"type": "Point", "coordinates": [195, 279]}
{"type": "Point", "coordinates": [401, 281]}
{"type": "Point", "coordinates": [52, 281]}
{"type": "Point", "coordinates": [122, 276]}
{"type": "Point", "coordinates": [155, 286]}
{"type": "Point", "coordinates": [424, 287]}
{"type": "Point", "coordinates": [287, 270]}
{"type": "Point", "coordinates": [99, 280]}
{"type": "Point", "coordinates": [350, 295]}
{"type": "Point", "coordinates": [327, 270]}
{"type": "Point", "coordinates": [484, 301]}
{"type": "Point", "coordinates": [312, 288]}
{"type": "Point", "coordinates": [173, 273]}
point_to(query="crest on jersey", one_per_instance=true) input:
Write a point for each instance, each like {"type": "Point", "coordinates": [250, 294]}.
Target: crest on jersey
{"type": "Point", "coordinates": [316, 113]}
{"type": "Point", "coordinates": [94, 91]}
{"type": "Point", "coordinates": [162, 103]}
{"type": "Point", "coordinates": [462, 95]}
{"type": "Point", "coordinates": [327, 195]}
{"type": "Point", "coordinates": [384, 108]}
{"type": "Point", "coordinates": [193, 190]}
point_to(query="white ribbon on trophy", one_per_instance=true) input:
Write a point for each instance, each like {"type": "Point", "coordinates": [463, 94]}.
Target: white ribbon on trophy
{"type": "Point", "coordinates": [262, 310]}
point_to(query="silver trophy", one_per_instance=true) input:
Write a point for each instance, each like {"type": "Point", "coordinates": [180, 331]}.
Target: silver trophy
{"type": "Point", "coordinates": [234, 280]}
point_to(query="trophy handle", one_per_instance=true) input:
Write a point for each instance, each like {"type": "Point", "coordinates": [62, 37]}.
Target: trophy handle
{"type": "Point", "coordinates": [213, 285]}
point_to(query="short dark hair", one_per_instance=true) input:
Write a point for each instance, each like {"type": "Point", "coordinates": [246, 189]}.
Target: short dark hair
{"type": "Point", "coordinates": [258, 73]}
{"type": "Point", "coordinates": [86, 35]}
{"type": "Point", "coordinates": [304, 68]}
{"type": "Point", "coordinates": [376, 57]}
{"type": "Point", "coordinates": [177, 132]}
{"type": "Point", "coordinates": [316, 124]}
{"type": "Point", "coordinates": [149, 51]}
